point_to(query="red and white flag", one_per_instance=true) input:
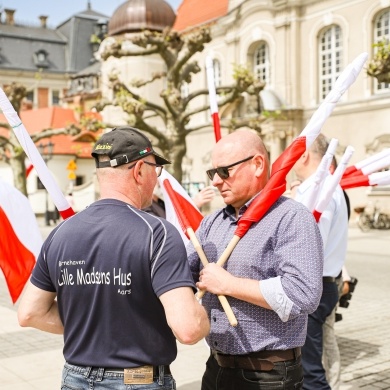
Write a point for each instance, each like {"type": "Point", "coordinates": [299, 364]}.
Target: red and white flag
{"type": "Point", "coordinates": [374, 179]}
{"type": "Point", "coordinates": [370, 164]}
{"type": "Point", "coordinates": [180, 209]}
{"type": "Point", "coordinates": [35, 157]}
{"type": "Point", "coordinates": [321, 173]}
{"type": "Point", "coordinates": [213, 98]}
{"type": "Point", "coordinates": [331, 184]}
{"type": "Point", "coordinates": [20, 239]}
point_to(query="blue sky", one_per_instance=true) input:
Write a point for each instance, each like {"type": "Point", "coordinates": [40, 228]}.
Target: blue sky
{"type": "Point", "coordinates": [28, 11]}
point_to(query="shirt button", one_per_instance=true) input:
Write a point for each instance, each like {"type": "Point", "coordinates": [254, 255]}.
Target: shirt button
{"type": "Point", "coordinates": [214, 319]}
{"type": "Point", "coordinates": [215, 344]}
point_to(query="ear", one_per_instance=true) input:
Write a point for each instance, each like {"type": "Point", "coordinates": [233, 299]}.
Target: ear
{"type": "Point", "coordinates": [305, 156]}
{"type": "Point", "coordinates": [138, 172]}
{"type": "Point", "coordinates": [259, 161]}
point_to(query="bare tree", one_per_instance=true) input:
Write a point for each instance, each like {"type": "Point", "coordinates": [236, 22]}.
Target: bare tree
{"type": "Point", "coordinates": [176, 51]}
{"type": "Point", "coordinates": [11, 151]}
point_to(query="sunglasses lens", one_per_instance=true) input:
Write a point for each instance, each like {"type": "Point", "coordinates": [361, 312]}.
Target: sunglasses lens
{"type": "Point", "coordinates": [223, 172]}
{"type": "Point", "coordinates": [211, 173]}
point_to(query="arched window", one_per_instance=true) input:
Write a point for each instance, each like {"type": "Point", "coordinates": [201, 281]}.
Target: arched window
{"type": "Point", "coordinates": [382, 32]}
{"type": "Point", "coordinates": [261, 63]}
{"type": "Point", "coordinates": [330, 59]}
{"type": "Point", "coordinates": [217, 73]}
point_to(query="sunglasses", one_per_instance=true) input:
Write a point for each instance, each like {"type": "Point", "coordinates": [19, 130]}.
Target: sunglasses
{"type": "Point", "coordinates": [223, 172]}
{"type": "Point", "coordinates": [157, 167]}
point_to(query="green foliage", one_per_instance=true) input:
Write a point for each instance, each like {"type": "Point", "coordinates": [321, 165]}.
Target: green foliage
{"type": "Point", "coordinates": [379, 66]}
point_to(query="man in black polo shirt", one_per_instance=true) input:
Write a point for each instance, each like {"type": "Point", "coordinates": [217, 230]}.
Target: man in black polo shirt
{"type": "Point", "coordinates": [115, 280]}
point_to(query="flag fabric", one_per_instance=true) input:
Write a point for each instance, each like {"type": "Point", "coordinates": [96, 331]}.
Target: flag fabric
{"type": "Point", "coordinates": [180, 209]}
{"type": "Point", "coordinates": [213, 98]}
{"type": "Point", "coordinates": [331, 184]}
{"type": "Point", "coordinates": [276, 185]}
{"type": "Point", "coordinates": [35, 158]}
{"type": "Point", "coordinates": [320, 175]}
{"type": "Point", "coordinates": [20, 239]}
{"type": "Point", "coordinates": [29, 168]}
{"type": "Point", "coordinates": [274, 188]}
{"type": "Point", "coordinates": [369, 164]}
{"type": "Point", "coordinates": [374, 179]}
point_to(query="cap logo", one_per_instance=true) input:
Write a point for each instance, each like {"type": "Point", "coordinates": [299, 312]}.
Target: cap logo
{"type": "Point", "coordinates": [145, 151]}
{"type": "Point", "coordinates": [104, 146]}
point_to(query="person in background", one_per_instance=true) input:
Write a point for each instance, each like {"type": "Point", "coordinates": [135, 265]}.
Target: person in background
{"type": "Point", "coordinates": [333, 225]}
{"type": "Point", "coordinates": [157, 208]}
{"type": "Point", "coordinates": [272, 279]}
{"type": "Point", "coordinates": [115, 280]}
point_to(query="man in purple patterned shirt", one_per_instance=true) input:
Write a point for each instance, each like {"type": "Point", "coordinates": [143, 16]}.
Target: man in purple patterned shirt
{"type": "Point", "coordinates": [273, 278]}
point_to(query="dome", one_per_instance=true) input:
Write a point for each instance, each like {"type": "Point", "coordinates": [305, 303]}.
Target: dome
{"type": "Point", "coordinates": [137, 15]}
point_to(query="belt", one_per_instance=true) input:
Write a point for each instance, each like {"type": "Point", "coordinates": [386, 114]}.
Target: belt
{"type": "Point", "coordinates": [256, 361]}
{"type": "Point", "coordinates": [328, 279]}
{"type": "Point", "coordinates": [167, 370]}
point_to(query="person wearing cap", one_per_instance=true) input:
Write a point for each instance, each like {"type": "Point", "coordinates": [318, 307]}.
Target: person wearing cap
{"type": "Point", "coordinates": [272, 278]}
{"type": "Point", "coordinates": [115, 280]}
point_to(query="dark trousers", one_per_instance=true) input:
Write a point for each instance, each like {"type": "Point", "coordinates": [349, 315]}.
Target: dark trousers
{"type": "Point", "coordinates": [313, 370]}
{"type": "Point", "coordinates": [286, 375]}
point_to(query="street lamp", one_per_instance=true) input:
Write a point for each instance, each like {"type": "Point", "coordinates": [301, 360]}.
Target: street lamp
{"type": "Point", "coordinates": [46, 151]}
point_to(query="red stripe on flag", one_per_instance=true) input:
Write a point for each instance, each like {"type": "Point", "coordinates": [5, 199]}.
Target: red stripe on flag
{"type": "Point", "coordinates": [187, 214]}
{"type": "Point", "coordinates": [274, 188]}
{"type": "Point", "coordinates": [67, 213]}
{"type": "Point", "coordinates": [217, 126]}
{"type": "Point", "coordinates": [16, 261]}
{"type": "Point", "coordinates": [29, 169]}
{"type": "Point", "coordinates": [354, 181]}
{"type": "Point", "coordinates": [317, 215]}
{"type": "Point", "coordinates": [351, 171]}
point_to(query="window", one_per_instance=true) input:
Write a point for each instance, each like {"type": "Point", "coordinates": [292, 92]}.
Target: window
{"type": "Point", "coordinates": [30, 96]}
{"type": "Point", "coordinates": [382, 32]}
{"type": "Point", "coordinates": [217, 73]}
{"type": "Point", "coordinates": [79, 180]}
{"type": "Point", "coordinates": [41, 59]}
{"type": "Point", "coordinates": [261, 65]}
{"type": "Point", "coordinates": [55, 98]}
{"type": "Point", "coordinates": [330, 59]}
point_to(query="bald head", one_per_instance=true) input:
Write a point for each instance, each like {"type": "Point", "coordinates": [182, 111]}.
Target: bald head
{"type": "Point", "coordinates": [241, 144]}
{"type": "Point", "coordinates": [244, 160]}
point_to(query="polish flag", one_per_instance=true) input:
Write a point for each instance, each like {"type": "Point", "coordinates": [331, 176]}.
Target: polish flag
{"type": "Point", "coordinates": [374, 179]}
{"type": "Point", "coordinates": [213, 98]}
{"type": "Point", "coordinates": [276, 185]}
{"type": "Point", "coordinates": [331, 184]}
{"type": "Point", "coordinates": [369, 165]}
{"type": "Point", "coordinates": [180, 209]}
{"type": "Point", "coordinates": [35, 157]}
{"type": "Point", "coordinates": [20, 239]}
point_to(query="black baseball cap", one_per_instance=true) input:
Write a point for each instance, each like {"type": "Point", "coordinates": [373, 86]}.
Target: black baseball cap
{"type": "Point", "coordinates": [124, 145]}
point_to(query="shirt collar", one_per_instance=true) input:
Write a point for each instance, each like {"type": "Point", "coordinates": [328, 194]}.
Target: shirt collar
{"type": "Point", "coordinates": [230, 211]}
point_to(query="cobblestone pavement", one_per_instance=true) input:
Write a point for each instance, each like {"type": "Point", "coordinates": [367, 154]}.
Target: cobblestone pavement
{"type": "Point", "coordinates": [30, 359]}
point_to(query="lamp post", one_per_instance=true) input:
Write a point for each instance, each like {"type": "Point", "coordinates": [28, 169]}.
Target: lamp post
{"type": "Point", "coordinates": [46, 151]}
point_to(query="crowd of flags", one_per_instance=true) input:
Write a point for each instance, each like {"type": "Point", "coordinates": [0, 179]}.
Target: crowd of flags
{"type": "Point", "coordinates": [20, 239]}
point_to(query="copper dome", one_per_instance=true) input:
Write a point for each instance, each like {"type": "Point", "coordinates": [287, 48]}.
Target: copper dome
{"type": "Point", "coordinates": [136, 15]}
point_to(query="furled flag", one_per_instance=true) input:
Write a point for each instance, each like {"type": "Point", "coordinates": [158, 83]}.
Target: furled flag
{"type": "Point", "coordinates": [35, 158]}
{"type": "Point", "coordinates": [180, 209]}
{"type": "Point", "coordinates": [320, 174]}
{"type": "Point", "coordinates": [213, 98]}
{"type": "Point", "coordinates": [331, 184]}
{"type": "Point", "coordinates": [276, 185]}
{"type": "Point", "coordinates": [369, 164]}
{"type": "Point", "coordinates": [373, 179]}
{"type": "Point", "coordinates": [20, 238]}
